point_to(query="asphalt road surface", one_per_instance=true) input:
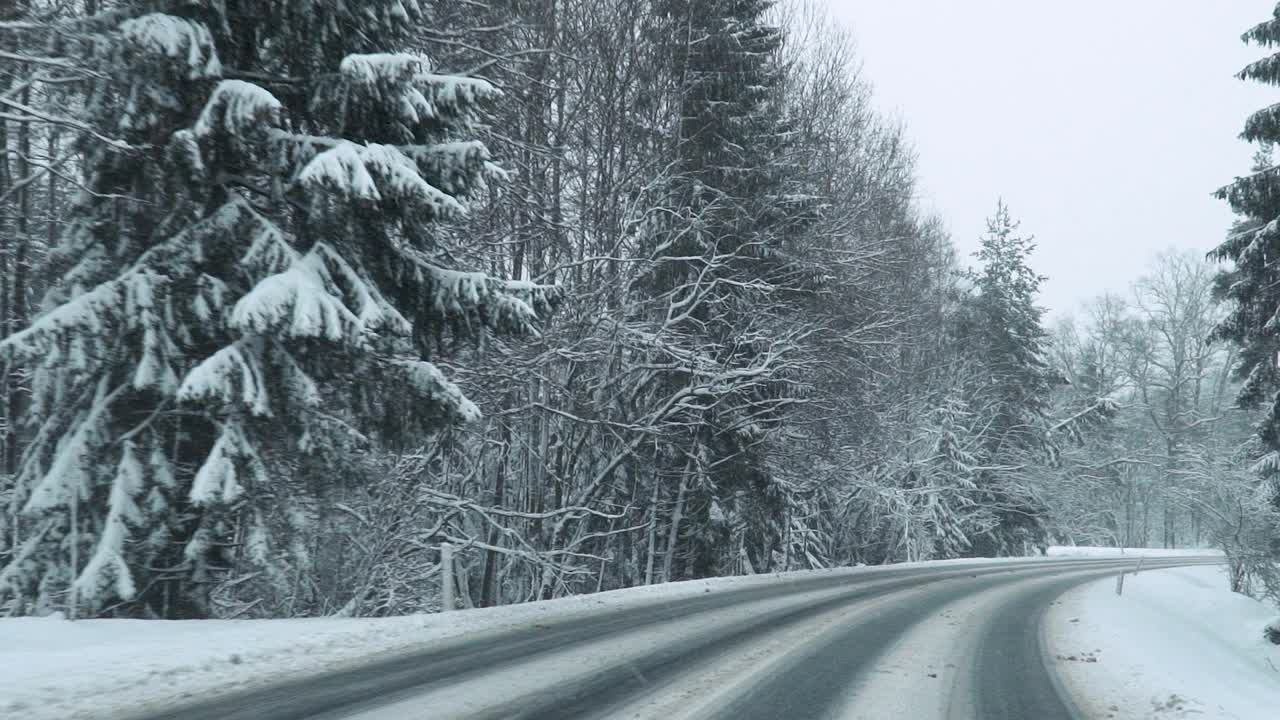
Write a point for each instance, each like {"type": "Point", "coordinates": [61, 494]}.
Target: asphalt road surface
{"type": "Point", "coordinates": [959, 642]}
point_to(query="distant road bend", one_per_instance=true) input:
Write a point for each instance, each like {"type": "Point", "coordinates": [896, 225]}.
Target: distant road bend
{"type": "Point", "coordinates": [959, 642]}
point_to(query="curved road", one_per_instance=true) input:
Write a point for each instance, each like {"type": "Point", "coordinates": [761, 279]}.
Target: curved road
{"type": "Point", "coordinates": [958, 642]}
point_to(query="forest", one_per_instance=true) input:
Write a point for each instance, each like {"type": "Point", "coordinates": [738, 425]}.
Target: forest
{"type": "Point", "coordinates": [595, 293]}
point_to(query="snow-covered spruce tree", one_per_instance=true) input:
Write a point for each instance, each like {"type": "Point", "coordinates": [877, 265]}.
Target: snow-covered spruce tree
{"type": "Point", "coordinates": [716, 259]}
{"type": "Point", "coordinates": [946, 493]}
{"type": "Point", "coordinates": [260, 279]}
{"type": "Point", "coordinates": [1251, 286]}
{"type": "Point", "coordinates": [1002, 330]}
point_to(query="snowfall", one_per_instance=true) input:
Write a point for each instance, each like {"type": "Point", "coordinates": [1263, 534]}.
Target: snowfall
{"type": "Point", "coordinates": [1175, 644]}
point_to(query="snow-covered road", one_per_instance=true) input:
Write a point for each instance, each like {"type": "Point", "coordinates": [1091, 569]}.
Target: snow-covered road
{"type": "Point", "coordinates": [958, 639]}
{"type": "Point", "coordinates": [944, 641]}
{"type": "Point", "coordinates": [56, 669]}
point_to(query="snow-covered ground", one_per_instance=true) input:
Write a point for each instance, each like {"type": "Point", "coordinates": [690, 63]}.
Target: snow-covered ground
{"type": "Point", "coordinates": [54, 668]}
{"type": "Point", "coordinates": [1176, 644]}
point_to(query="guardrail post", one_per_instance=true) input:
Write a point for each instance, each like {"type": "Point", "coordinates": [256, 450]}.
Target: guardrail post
{"type": "Point", "coordinates": [1120, 583]}
{"type": "Point", "coordinates": [1139, 568]}
{"type": "Point", "coordinates": [446, 578]}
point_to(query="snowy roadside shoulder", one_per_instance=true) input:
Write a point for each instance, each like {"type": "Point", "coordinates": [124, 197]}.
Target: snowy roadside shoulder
{"type": "Point", "coordinates": [1177, 643]}
{"type": "Point", "coordinates": [54, 668]}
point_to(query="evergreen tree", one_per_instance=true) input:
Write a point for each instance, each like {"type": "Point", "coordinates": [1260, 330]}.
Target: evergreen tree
{"type": "Point", "coordinates": [947, 505]}
{"type": "Point", "coordinates": [1251, 286]}
{"type": "Point", "coordinates": [1002, 330]}
{"type": "Point", "coordinates": [715, 261]}
{"type": "Point", "coordinates": [1006, 332]}
{"type": "Point", "coordinates": [259, 278]}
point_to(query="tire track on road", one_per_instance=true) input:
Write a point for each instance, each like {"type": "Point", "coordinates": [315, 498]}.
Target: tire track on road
{"type": "Point", "coordinates": [1006, 675]}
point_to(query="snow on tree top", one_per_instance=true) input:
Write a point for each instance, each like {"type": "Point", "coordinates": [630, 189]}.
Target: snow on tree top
{"type": "Point", "coordinates": [235, 375]}
{"type": "Point", "coordinates": [236, 107]}
{"type": "Point", "coordinates": [341, 170]}
{"type": "Point", "coordinates": [455, 153]}
{"type": "Point", "coordinates": [457, 92]}
{"type": "Point", "coordinates": [217, 481]}
{"type": "Point", "coordinates": [305, 301]}
{"type": "Point", "coordinates": [67, 476]}
{"type": "Point", "coordinates": [400, 180]}
{"type": "Point", "coordinates": [270, 252]}
{"type": "Point", "coordinates": [497, 171]}
{"type": "Point", "coordinates": [457, 291]}
{"type": "Point", "coordinates": [451, 165]}
{"type": "Point", "coordinates": [427, 380]}
{"type": "Point", "coordinates": [383, 68]}
{"type": "Point", "coordinates": [369, 305]}
{"type": "Point", "coordinates": [1267, 465]}
{"type": "Point", "coordinates": [175, 38]}
{"type": "Point", "coordinates": [391, 76]}
{"type": "Point", "coordinates": [350, 170]}
{"type": "Point", "coordinates": [107, 562]}
{"type": "Point", "coordinates": [91, 312]}
{"type": "Point", "coordinates": [541, 298]}
{"type": "Point", "coordinates": [414, 107]}
{"type": "Point", "coordinates": [221, 374]}
{"type": "Point", "coordinates": [127, 301]}
{"type": "Point", "coordinates": [297, 302]}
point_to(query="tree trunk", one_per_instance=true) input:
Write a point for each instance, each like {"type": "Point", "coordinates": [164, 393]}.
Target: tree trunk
{"type": "Point", "coordinates": [18, 304]}
{"type": "Point", "coordinates": [653, 532]}
{"type": "Point", "coordinates": [673, 537]}
{"type": "Point", "coordinates": [488, 589]}
{"type": "Point", "coordinates": [6, 269]}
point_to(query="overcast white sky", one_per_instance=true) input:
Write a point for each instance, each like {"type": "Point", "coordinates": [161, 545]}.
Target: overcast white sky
{"type": "Point", "coordinates": [1105, 124]}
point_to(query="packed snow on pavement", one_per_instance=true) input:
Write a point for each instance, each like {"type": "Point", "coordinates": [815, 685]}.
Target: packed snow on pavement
{"type": "Point", "coordinates": [1176, 643]}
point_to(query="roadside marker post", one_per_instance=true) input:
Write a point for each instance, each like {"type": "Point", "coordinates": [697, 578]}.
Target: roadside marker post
{"type": "Point", "coordinates": [446, 578]}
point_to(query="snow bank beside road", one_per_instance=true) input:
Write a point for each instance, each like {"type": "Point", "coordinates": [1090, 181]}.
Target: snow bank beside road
{"type": "Point", "coordinates": [1176, 644]}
